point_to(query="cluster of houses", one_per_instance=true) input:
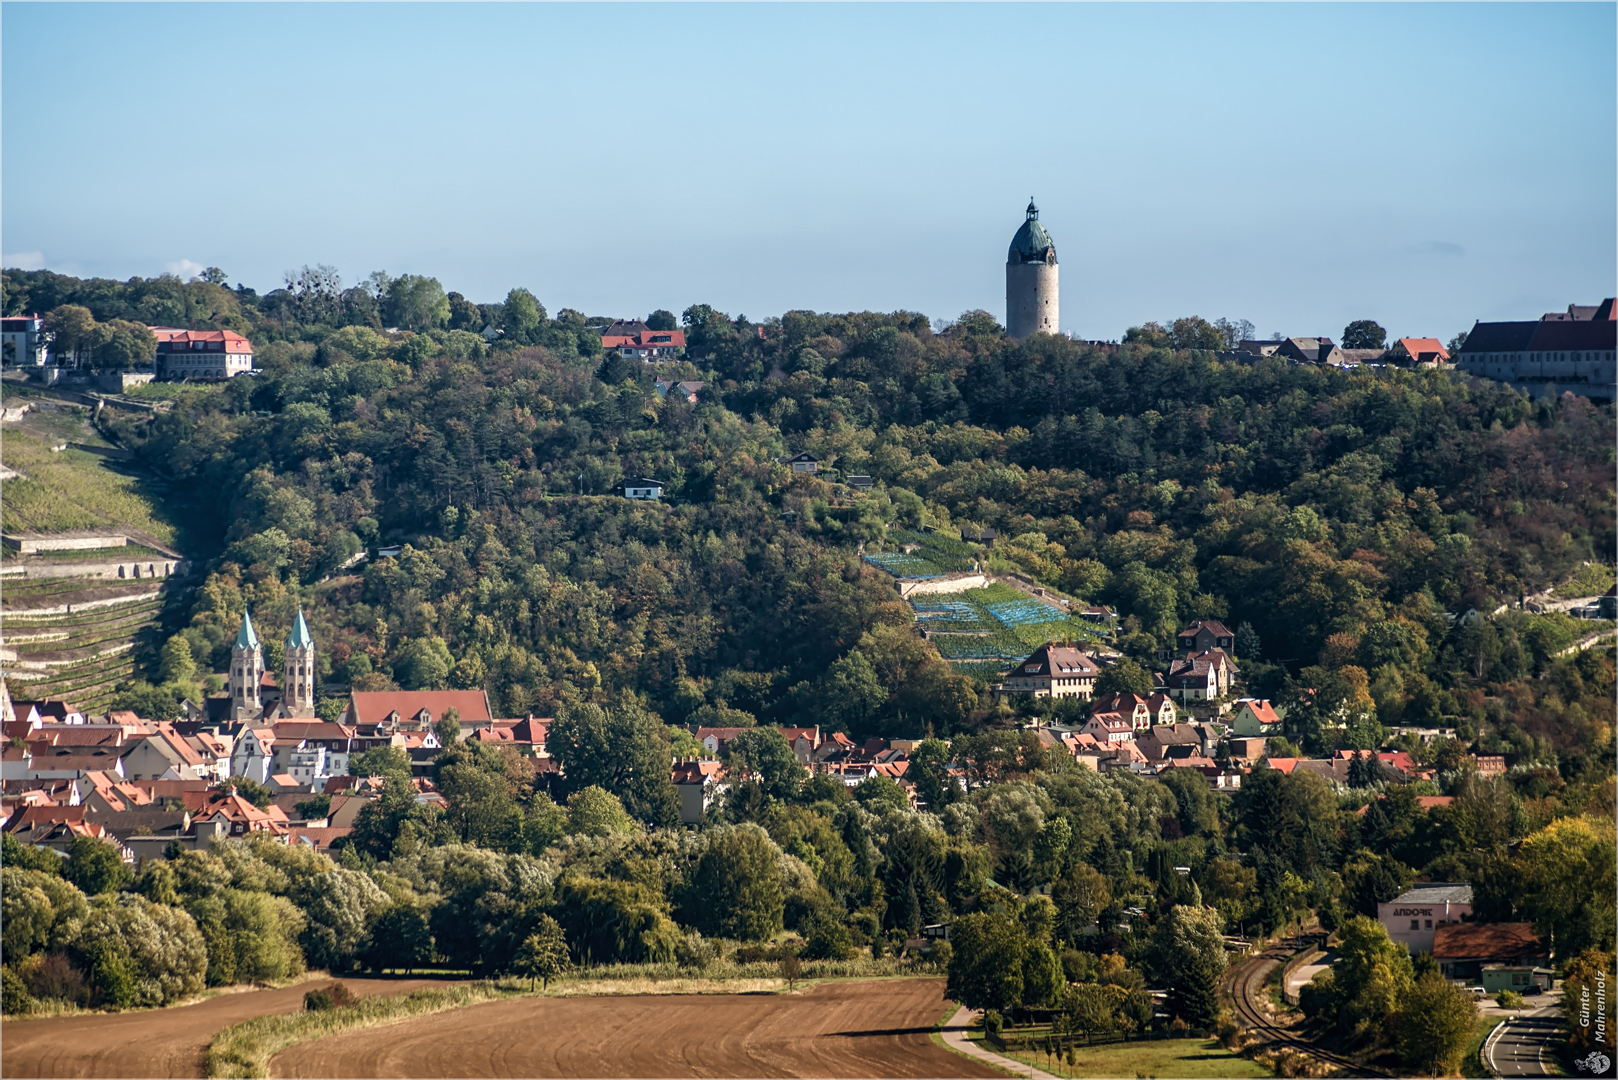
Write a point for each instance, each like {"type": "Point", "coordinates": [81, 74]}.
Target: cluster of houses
{"type": "Point", "coordinates": [146, 785]}
{"type": "Point", "coordinates": [1405, 352]}
{"type": "Point", "coordinates": [153, 787]}
{"type": "Point", "coordinates": [1198, 675]}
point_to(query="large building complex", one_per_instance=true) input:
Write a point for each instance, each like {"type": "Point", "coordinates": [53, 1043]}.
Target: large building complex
{"type": "Point", "coordinates": [1561, 351]}
{"type": "Point", "coordinates": [1032, 303]}
{"type": "Point", "coordinates": [202, 354]}
{"type": "Point", "coordinates": [1413, 917]}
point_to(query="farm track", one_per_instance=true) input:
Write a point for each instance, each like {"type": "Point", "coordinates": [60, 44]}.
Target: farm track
{"type": "Point", "coordinates": [1246, 983]}
{"type": "Point", "coordinates": [161, 1042]}
{"type": "Point", "coordinates": [844, 1028]}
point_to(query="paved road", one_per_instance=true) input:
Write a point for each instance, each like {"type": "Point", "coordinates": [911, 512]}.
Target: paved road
{"type": "Point", "coordinates": [1523, 1046]}
{"type": "Point", "coordinates": [955, 1037]}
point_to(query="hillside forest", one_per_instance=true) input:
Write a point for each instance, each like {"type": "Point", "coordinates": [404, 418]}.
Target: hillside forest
{"type": "Point", "coordinates": [1369, 531]}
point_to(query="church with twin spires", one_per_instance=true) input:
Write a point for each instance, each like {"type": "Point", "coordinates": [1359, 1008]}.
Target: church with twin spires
{"type": "Point", "coordinates": [248, 699]}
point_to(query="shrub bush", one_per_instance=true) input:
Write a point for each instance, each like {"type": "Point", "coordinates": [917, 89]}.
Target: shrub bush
{"type": "Point", "coordinates": [335, 996]}
{"type": "Point", "coordinates": [53, 976]}
{"type": "Point", "coordinates": [1509, 999]}
{"type": "Point", "coordinates": [14, 997]}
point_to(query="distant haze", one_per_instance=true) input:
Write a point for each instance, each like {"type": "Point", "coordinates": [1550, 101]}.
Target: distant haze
{"type": "Point", "coordinates": [1299, 166]}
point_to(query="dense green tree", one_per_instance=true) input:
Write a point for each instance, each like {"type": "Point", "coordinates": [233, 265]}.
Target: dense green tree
{"type": "Point", "coordinates": [543, 955]}
{"type": "Point", "coordinates": [29, 856]}
{"type": "Point", "coordinates": [614, 921]}
{"type": "Point", "coordinates": [594, 811]}
{"type": "Point", "coordinates": [1434, 1025]}
{"type": "Point", "coordinates": [1364, 334]}
{"type": "Point", "coordinates": [735, 888]}
{"type": "Point", "coordinates": [623, 750]}
{"type": "Point", "coordinates": [986, 968]}
{"type": "Point", "coordinates": [381, 761]}
{"type": "Point", "coordinates": [1184, 938]}
{"type": "Point", "coordinates": [929, 771]}
{"type": "Point", "coordinates": [401, 938]}
{"type": "Point", "coordinates": [851, 693]}
{"type": "Point", "coordinates": [1126, 677]}
{"type": "Point", "coordinates": [38, 911]}
{"type": "Point", "coordinates": [766, 752]}
{"type": "Point", "coordinates": [415, 303]}
{"type": "Point", "coordinates": [1080, 895]}
{"type": "Point", "coordinates": [1371, 878]}
{"type": "Point", "coordinates": [95, 866]}
{"type": "Point", "coordinates": [1194, 996]}
{"type": "Point", "coordinates": [339, 907]}
{"type": "Point", "coordinates": [176, 664]}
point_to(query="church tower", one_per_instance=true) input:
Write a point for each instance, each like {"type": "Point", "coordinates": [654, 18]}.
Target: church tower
{"type": "Point", "coordinates": [246, 671]}
{"type": "Point", "coordinates": [1032, 306]}
{"type": "Point", "coordinates": [298, 686]}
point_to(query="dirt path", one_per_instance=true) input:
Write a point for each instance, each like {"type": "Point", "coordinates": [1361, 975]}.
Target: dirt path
{"type": "Point", "coordinates": [870, 1028]}
{"type": "Point", "coordinates": [162, 1042]}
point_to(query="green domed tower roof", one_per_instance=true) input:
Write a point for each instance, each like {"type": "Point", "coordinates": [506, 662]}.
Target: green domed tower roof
{"type": "Point", "coordinates": [1032, 244]}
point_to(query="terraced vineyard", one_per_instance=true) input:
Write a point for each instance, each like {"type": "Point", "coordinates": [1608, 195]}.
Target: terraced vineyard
{"type": "Point", "coordinates": [71, 636]}
{"type": "Point", "coordinates": [924, 555]}
{"type": "Point", "coordinates": [980, 629]}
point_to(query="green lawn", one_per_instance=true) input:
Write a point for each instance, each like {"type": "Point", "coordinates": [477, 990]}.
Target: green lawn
{"type": "Point", "coordinates": [127, 552]}
{"type": "Point", "coordinates": [74, 490]}
{"type": "Point", "coordinates": [1191, 1059]}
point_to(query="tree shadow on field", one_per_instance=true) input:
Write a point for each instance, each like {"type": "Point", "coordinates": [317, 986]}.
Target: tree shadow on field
{"type": "Point", "coordinates": [880, 1032]}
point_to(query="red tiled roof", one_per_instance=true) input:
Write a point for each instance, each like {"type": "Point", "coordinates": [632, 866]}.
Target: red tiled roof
{"type": "Point", "coordinates": [374, 706]}
{"type": "Point", "coordinates": [311, 729]}
{"type": "Point", "coordinates": [645, 339]}
{"type": "Point", "coordinates": [234, 342]}
{"type": "Point", "coordinates": [695, 772]}
{"type": "Point", "coordinates": [1262, 709]}
{"type": "Point", "coordinates": [1416, 346]}
{"type": "Point", "coordinates": [1426, 802]}
{"type": "Point", "coordinates": [1487, 941]}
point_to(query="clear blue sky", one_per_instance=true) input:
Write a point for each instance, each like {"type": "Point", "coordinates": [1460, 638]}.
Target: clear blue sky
{"type": "Point", "coordinates": [1296, 165]}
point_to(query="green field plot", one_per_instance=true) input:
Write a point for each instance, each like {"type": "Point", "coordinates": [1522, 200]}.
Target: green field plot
{"type": "Point", "coordinates": [129, 552]}
{"type": "Point", "coordinates": [1191, 1059]}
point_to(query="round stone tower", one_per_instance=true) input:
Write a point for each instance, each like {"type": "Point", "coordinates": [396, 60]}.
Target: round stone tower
{"type": "Point", "coordinates": [1032, 305]}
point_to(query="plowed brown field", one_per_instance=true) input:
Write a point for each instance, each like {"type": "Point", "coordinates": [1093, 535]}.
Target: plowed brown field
{"type": "Point", "coordinates": [163, 1042]}
{"type": "Point", "coordinates": [874, 1028]}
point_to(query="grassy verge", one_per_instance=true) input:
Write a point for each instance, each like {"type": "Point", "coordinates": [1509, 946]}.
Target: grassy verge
{"type": "Point", "coordinates": [1189, 1059]}
{"type": "Point", "coordinates": [245, 1049]}
{"type": "Point", "coordinates": [1472, 1064]}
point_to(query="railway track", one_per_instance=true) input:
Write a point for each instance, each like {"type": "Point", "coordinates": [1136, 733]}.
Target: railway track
{"type": "Point", "coordinates": [1246, 986]}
